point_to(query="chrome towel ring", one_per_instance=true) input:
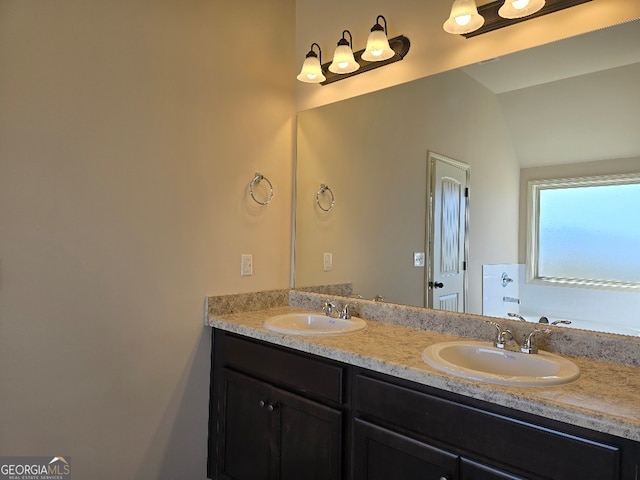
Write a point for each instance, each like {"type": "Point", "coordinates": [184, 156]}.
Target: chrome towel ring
{"type": "Point", "coordinates": [323, 189]}
{"type": "Point", "coordinates": [256, 180]}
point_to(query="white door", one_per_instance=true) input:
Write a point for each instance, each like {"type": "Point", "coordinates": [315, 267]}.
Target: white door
{"type": "Point", "coordinates": [448, 197]}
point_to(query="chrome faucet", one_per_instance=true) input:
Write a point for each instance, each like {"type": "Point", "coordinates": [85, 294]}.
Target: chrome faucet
{"type": "Point", "coordinates": [344, 312]}
{"type": "Point", "coordinates": [529, 346]}
{"type": "Point", "coordinates": [329, 307]}
{"type": "Point", "coordinates": [563, 322]}
{"type": "Point", "coordinates": [503, 337]}
{"type": "Point", "coordinates": [515, 315]}
{"type": "Point", "coordinates": [555, 322]}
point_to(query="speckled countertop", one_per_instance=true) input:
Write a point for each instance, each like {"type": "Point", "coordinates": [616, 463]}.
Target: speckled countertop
{"type": "Point", "coordinates": [605, 398]}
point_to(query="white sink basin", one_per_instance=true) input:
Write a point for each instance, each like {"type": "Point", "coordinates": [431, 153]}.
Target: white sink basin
{"type": "Point", "coordinates": [313, 324]}
{"type": "Point", "coordinates": [483, 362]}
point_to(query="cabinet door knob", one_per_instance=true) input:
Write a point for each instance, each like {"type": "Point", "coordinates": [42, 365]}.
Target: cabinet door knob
{"type": "Point", "coordinates": [262, 403]}
{"type": "Point", "coordinates": [443, 478]}
{"type": "Point", "coordinates": [271, 407]}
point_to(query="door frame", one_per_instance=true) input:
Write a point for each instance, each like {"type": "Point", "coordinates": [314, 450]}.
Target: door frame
{"type": "Point", "coordinates": [432, 158]}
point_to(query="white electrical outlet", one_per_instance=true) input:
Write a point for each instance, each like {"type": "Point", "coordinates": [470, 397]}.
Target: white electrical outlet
{"type": "Point", "coordinates": [246, 264]}
{"type": "Point", "coordinates": [418, 259]}
{"type": "Point", "coordinates": [327, 261]}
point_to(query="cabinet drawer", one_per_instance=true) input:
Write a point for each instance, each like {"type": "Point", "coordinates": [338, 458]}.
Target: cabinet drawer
{"type": "Point", "coordinates": [295, 371]}
{"type": "Point", "coordinates": [520, 446]}
{"type": "Point", "coordinates": [382, 454]}
{"type": "Point", "coordinates": [470, 470]}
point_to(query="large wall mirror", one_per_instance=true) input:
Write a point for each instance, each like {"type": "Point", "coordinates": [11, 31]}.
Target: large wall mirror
{"type": "Point", "coordinates": [565, 109]}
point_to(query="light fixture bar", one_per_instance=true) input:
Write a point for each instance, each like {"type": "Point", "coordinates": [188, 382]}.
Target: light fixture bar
{"type": "Point", "coordinates": [400, 45]}
{"type": "Point", "coordinates": [493, 21]}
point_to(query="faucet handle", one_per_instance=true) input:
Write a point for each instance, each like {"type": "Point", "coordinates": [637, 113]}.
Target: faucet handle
{"type": "Point", "coordinates": [495, 324]}
{"type": "Point", "coordinates": [528, 346]}
{"type": "Point", "coordinates": [498, 338]}
{"type": "Point", "coordinates": [328, 307]}
{"type": "Point", "coordinates": [503, 337]}
{"type": "Point", "coordinates": [347, 309]}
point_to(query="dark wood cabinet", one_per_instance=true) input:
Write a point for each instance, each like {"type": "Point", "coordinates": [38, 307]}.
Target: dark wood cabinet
{"type": "Point", "coordinates": [269, 433]}
{"type": "Point", "coordinates": [382, 454]}
{"type": "Point", "coordinates": [310, 439]}
{"type": "Point", "coordinates": [472, 470]}
{"type": "Point", "coordinates": [276, 413]}
{"type": "Point", "coordinates": [244, 425]}
{"type": "Point", "coordinates": [490, 444]}
{"type": "Point", "coordinates": [261, 431]}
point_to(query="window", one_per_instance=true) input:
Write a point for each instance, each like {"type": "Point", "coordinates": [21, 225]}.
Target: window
{"type": "Point", "coordinates": [585, 231]}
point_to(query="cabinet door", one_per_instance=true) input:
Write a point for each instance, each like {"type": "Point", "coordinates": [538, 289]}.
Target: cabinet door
{"type": "Point", "coordinates": [381, 454]}
{"type": "Point", "coordinates": [309, 439]}
{"type": "Point", "coordinates": [244, 424]}
{"type": "Point", "coordinates": [471, 470]}
{"type": "Point", "coordinates": [539, 452]}
{"type": "Point", "coordinates": [268, 433]}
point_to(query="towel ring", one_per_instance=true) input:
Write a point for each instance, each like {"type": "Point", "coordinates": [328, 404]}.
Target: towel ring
{"type": "Point", "coordinates": [325, 188]}
{"type": "Point", "coordinates": [256, 180]}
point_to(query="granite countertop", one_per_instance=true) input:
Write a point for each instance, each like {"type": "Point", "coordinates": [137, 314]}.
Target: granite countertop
{"type": "Point", "coordinates": [605, 398]}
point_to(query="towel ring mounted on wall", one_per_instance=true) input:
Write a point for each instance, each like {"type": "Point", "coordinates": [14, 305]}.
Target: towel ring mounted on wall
{"type": "Point", "coordinates": [256, 180]}
{"type": "Point", "coordinates": [325, 188]}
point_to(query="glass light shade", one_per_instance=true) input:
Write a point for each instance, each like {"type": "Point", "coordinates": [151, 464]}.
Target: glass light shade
{"type": "Point", "coordinates": [464, 18]}
{"type": "Point", "coordinates": [343, 61]}
{"type": "Point", "coordinates": [520, 8]}
{"type": "Point", "coordinates": [311, 70]}
{"type": "Point", "coordinates": [378, 48]}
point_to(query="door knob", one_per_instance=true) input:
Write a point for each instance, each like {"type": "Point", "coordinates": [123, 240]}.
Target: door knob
{"type": "Point", "coordinates": [436, 284]}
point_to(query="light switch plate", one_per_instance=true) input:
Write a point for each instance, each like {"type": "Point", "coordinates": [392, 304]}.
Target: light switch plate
{"type": "Point", "coordinates": [327, 261]}
{"type": "Point", "coordinates": [418, 259]}
{"type": "Point", "coordinates": [246, 264]}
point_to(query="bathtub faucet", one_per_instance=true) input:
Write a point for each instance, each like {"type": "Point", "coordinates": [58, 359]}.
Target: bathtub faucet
{"type": "Point", "coordinates": [555, 322]}
{"type": "Point", "coordinates": [515, 315]}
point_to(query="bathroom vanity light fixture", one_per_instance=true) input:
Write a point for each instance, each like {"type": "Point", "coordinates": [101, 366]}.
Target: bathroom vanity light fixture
{"type": "Point", "coordinates": [503, 13]}
{"type": "Point", "coordinates": [464, 18]}
{"type": "Point", "coordinates": [378, 48]}
{"type": "Point", "coordinates": [312, 67]}
{"type": "Point", "coordinates": [346, 63]}
{"type": "Point", "coordinates": [343, 61]}
{"type": "Point", "coordinates": [520, 8]}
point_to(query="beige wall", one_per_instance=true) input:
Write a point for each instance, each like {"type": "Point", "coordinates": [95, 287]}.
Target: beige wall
{"type": "Point", "coordinates": [129, 132]}
{"type": "Point", "coordinates": [372, 151]}
{"type": "Point", "coordinates": [578, 119]}
{"type": "Point", "coordinates": [432, 49]}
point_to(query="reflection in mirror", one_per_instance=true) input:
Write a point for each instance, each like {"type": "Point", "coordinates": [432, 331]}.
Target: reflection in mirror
{"type": "Point", "coordinates": [562, 110]}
